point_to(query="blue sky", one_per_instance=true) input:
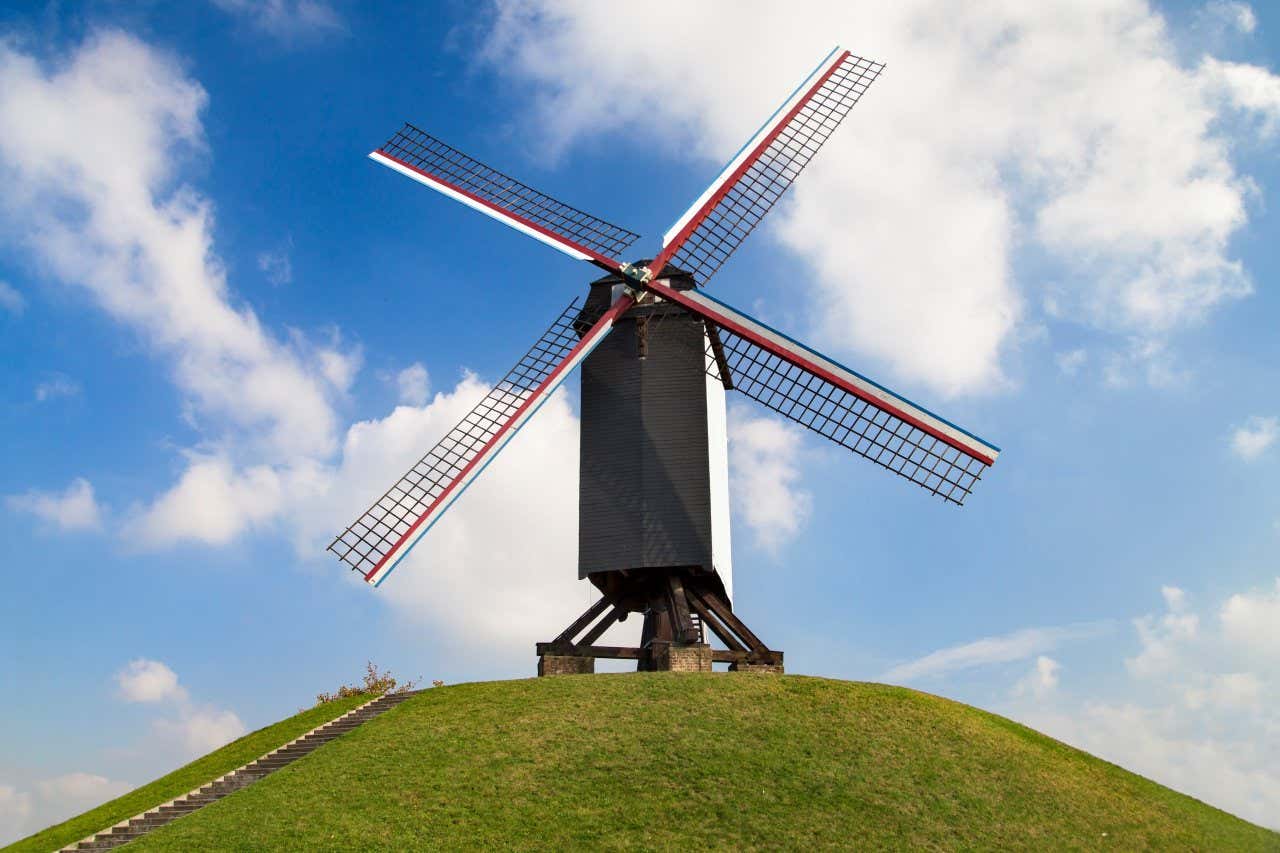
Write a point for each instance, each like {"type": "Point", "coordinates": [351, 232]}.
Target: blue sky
{"type": "Point", "coordinates": [1053, 225]}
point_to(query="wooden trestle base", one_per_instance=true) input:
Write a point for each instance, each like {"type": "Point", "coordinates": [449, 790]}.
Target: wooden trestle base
{"type": "Point", "coordinates": [678, 609]}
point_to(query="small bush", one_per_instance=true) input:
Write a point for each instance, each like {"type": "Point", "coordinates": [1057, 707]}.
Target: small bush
{"type": "Point", "coordinates": [376, 683]}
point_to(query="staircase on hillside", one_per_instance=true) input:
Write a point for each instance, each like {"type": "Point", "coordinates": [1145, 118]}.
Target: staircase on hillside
{"type": "Point", "coordinates": [126, 831]}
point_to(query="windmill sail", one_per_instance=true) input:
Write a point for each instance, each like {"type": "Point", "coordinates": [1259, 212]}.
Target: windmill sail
{"type": "Point", "coordinates": [838, 403]}
{"type": "Point", "coordinates": [427, 160]}
{"type": "Point", "coordinates": [382, 535]}
{"type": "Point", "coordinates": [757, 176]}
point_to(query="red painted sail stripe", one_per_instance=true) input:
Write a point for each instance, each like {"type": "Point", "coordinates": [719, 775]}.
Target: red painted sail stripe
{"type": "Point", "coordinates": [596, 257]}
{"type": "Point", "coordinates": [601, 326]}
{"type": "Point", "coordinates": [804, 364]}
{"type": "Point", "coordinates": [671, 248]}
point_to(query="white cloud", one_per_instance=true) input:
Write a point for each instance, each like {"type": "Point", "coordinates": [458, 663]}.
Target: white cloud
{"type": "Point", "coordinates": [1071, 361]}
{"type": "Point", "coordinates": [50, 801]}
{"type": "Point", "coordinates": [188, 729]}
{"type": "Point", "coordinates": [510, 541]}
{"type": "Point", "coordinates": [213, 502]}
{"type": "Point", "coordinates": [1228, 13]}
{"type": "Point", "coordinates": [1251, 623]}
{"type": "Point", "coordinates": [73, 509]}
{"type": "Point", "coordinates": [145, 680]}
{"type": "Point", "coordinates": [15, 807]}
{"type": "Point", "coordinates": [79, 791]}
{"type": "Point", "coordinates": [197, 731]}
{"type": "Point", "coordinates": [1161, 636]}
{"type": "Point", "coordinates": [1199, 711]}
{"type": "Point", "coordinates": [287, 20]}
{"type": "Point", "coordinates": [1251, 440]}
{"type": "Point", "coordinates": [1041, 680]}
{"type": "Point", "coordinates": [58, 385]}
{"type": "Point", "coordinates": [139, 243]}
{"type": "Point", "coordinates": [276, 266]}
{"type": "Point", "coordinates": [414, 385]}
{"type": "Point", "coordinates": [764, 477]}
{"type": "Point", "coordinates": [1246, 87]}
{"type": "Point", "coordinates": [11, 300]}
{"type": "Point", "coordinates": [1004, 648]}
{"type": "Point", "coordinates": [1012, 128]}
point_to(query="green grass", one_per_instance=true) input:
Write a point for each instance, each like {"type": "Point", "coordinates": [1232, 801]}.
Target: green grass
{"type": "Point", "coordinates": [182, 780]}
{"type": "Point", "coordinates": [724, 761]}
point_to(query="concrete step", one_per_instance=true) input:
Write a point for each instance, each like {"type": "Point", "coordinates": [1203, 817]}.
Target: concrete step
{"type": "Point", "coordinates": [302, 747]}
{"type": "Point", "coordinates": [151, 821]}
{"type": "Point", "coordinates": [278, 758]}
{"type": "Point", "coordinates": [224, 787]}
{"type": "Point", "coordinates": [178, 809]}
{"type": "Point", "coordinates": [199, 799]}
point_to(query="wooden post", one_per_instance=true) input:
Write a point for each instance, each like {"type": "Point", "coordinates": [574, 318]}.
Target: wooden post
{"type": "Point", "coordinates": [683, 627]}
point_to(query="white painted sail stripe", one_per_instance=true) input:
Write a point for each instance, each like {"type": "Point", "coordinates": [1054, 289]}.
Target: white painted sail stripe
{"type": "Point", "coordinates": [746, 150]}
{"type": "Point", "coordinates": [426, 180]}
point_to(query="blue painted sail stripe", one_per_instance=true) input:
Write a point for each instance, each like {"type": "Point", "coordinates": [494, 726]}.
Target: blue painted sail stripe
{"type": "Point", "coordinates": [785, 101]}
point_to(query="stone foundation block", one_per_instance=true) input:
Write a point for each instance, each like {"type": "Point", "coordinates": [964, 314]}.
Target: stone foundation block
{"type": "Point", "coordinates": [775, 668]}
{"type": "Point", "coordinates": [679, 657]}
{"type": "Point", "coordinates": [565, 665]}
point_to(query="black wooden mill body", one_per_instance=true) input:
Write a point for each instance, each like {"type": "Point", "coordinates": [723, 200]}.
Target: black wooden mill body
{"type": "Point", "coordinates": [653, 491]}
{"type": "Point", "coordinates": [653, 512]}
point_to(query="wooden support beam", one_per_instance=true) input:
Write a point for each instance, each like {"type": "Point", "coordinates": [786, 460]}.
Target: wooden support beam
{"type": "Point", "coordinates": [717, 351]}
{"type": "Point", "coordinates": [721, 609]}
{"type": "Point", "coordinates": [603, 625]}
{"type": "Point", "coordinates": [592, 613]}
{"type": "Point", "coordinates": [709, 619]}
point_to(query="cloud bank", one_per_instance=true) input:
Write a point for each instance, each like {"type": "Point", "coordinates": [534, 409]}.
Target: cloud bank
{"type": "Point", "coordinates": [1002, 135]}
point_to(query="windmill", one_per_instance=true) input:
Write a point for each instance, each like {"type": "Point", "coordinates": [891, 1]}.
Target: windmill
{"type": "Point", "coordinates": [658, 355]}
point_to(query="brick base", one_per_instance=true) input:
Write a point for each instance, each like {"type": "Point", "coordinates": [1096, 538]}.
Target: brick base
{"type": "Point", "coordinates": [679, 657]}
{"type": "Point", "coordinates": [775, 668]}
{"type": "Point", "coordinates": [565, 665]}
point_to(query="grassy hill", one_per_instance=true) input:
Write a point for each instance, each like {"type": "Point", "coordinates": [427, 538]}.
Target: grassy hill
{"type": "Point", "coordinates": [220, 761]}
{"type": "Point", "coordinates": [722, 761]}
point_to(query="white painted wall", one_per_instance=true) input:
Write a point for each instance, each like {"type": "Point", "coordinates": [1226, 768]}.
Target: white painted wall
{"type": "Point", "coordinates": [718, 460]}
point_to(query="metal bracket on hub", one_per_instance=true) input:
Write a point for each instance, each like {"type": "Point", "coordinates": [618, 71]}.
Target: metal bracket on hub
{"type": "Point", "coordinates": [641, 274]}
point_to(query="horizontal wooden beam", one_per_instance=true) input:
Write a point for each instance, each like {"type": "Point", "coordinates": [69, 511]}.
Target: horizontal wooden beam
{"type": "Point", "coordinates": [616, 652]}
{"type": "Point", "coordinates": [731, 656]}
{"type": "Point", "coordinates": [632, 653]}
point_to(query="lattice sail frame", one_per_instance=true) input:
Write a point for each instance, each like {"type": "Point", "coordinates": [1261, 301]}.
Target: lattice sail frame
{"type": "Point", "coordinates": [837, 403]}
{"type": "Point", "coordinates": [424, 158]}
{"type": "Point", "coordinates": [722, 217]}
{"type": "Point", "coordinates": [383, 534]}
